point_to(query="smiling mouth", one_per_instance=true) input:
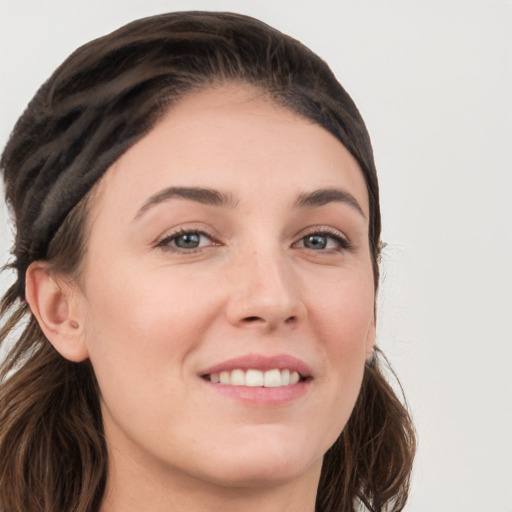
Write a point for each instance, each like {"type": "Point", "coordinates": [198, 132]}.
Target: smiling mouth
{"type": "Point", "coordinates": [274, 378]}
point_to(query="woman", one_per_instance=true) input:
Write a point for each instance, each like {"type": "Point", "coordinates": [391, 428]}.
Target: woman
{"type": "Point", "coordinates": [197, 245]}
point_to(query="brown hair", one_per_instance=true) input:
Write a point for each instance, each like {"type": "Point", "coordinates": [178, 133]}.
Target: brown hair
{"type": "Point", "coordinates": [107, 95]}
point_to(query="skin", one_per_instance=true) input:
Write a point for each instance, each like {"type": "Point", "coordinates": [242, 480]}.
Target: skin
{"type": "Point", "coordinates": [152, 317]}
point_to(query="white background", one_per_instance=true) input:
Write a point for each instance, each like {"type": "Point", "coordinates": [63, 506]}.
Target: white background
{"type": "Point", "coordinates": [433, 80]}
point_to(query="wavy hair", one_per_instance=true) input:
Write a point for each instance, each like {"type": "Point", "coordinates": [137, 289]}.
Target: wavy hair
{"type": "Point", "coordinates": [106, 96]}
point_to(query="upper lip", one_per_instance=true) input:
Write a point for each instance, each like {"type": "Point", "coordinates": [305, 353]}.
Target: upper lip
{"type": "Point", "coordinates": [260, 362]}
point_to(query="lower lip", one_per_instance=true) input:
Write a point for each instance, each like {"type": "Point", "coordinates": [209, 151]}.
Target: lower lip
{"type": "Point", "coordinates": [260, 395]}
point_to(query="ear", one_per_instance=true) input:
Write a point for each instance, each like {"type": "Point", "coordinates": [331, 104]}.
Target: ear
{"type": "Point", "coordinates": [370, 337]}
{"type": "Point", "coordinates": [55, 304]}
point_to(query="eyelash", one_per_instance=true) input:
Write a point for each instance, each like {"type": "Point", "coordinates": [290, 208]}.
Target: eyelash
{"type": "Point", "coordinates": [165, 243]}
{"type": "Point", "coordinates": [343, 244]}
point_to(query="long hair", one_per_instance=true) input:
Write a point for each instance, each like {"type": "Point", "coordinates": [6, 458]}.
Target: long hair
{"type": "Point", "coordinates": [106, 96]}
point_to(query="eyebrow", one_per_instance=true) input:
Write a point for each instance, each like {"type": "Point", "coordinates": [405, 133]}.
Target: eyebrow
{"type": "Point", "coordinates": [198, 194]}
{"type": "Point", "coordinates": [324, 196]}
{"type": "Point", "coordinates": [214, 197]}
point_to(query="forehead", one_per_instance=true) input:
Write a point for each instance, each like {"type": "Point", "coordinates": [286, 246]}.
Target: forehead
{"type": "Point", "coordinates": [234, 138]}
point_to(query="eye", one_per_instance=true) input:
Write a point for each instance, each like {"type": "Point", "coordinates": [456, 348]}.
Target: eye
{"type": "Point", "coordinates": [186, 241]}
{"type": "Point", "coordinates": [324, 241]}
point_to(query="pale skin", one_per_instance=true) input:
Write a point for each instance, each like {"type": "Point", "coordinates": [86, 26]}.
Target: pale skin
{"type": "Point", "coordinates": [274, 263]}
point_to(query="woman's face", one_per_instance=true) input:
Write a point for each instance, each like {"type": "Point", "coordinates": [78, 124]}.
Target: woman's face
{"type": "Point", "coordinates": [231, 244]}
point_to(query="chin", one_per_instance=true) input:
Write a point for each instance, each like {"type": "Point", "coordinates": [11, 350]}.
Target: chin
{"type": "Point", "coordinates": [269, 463]}
{"type": "Point", "coordinates": [271, 475]}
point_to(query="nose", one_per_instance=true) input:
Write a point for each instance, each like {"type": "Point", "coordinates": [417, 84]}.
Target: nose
{"type": "Point", "coordinates": [265, 292]}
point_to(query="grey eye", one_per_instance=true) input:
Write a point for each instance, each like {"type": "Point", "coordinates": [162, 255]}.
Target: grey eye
{"type": "Point", "coordinates": [323, 241]}
{"type": "Point", "coordinates": [187, 240]}
{"type": "Point", "coordinates": [315, 241]}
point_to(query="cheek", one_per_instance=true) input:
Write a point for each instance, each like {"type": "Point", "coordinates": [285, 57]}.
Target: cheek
{"type": "Point", "coordinates": [342, 316]}
{"type": "Point", "coordinates": [344, 319]}
{"type": "Point", "coordinates": [140, 333]}
{"type": "Point", "coordinates": [146, 319]}
{"type": "Point", "coordinates": [345, 308]}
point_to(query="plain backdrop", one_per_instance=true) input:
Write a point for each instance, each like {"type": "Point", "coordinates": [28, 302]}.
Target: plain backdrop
{"type": "Point", "coordinates": [433, 80]}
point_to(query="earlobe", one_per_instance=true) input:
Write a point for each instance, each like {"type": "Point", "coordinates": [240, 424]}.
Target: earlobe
{"type": "Point", "coordinates": [55, 306]}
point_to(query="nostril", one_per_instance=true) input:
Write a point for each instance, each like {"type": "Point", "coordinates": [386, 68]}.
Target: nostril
{"type": "Point", "coordinates": [252, 319]}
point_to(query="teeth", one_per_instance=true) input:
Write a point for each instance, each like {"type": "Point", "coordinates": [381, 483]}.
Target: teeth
{"type": "Point", "coordinates": [272, 379]}
{"type": "Point", "coordinates": [294, 378]}
{"type": "Point", "coordinates": [238, 378]}
{"type": "Point", "coordinates": [256, 378]}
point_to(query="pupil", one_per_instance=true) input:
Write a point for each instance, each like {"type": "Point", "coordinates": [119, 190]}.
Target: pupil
{"type": "Point", "coordinates": [315, 242]}
{"type": "Point", "coordinates": [188, 241]}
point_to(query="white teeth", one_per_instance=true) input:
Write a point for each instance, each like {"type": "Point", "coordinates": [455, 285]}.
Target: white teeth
{"type": "Point", "coordinates": [272, 379]}
{"type": "Point", "coordinates": [256, 378]}
{"type": "Point", "coordinates": [238, 378]}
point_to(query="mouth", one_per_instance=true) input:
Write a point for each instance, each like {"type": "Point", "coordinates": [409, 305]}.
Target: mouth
{"type": "Point", "coordinates": [254, 378]}
{"type": "Point", "coordinates": [258, 371]}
